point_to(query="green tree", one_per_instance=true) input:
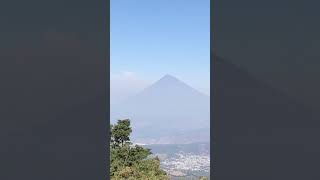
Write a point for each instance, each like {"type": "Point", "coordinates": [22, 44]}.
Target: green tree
{"type": "Point", "coordinates": [128, 162]}
{"type": "Point", "coordinates": [120, 132]}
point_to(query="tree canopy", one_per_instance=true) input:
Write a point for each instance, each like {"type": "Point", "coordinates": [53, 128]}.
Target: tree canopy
{"type": "Point", "coordinates": [128, 161]}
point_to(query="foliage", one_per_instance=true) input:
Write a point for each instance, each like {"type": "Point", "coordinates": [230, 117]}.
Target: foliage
{"type": "Point", "coordinates": [203, 178]}
{"type": "Point", "coordinates": [120, 132]}
{"type": "Point", "coordinates": [130, 162]}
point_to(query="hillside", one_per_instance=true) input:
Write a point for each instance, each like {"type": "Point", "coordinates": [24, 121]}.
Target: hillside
{"type": "Point", "coordinates": [168, 111]}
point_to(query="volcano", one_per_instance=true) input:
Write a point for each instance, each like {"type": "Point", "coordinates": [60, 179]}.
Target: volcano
{"type": "Point", "coordinates": [168, 111]}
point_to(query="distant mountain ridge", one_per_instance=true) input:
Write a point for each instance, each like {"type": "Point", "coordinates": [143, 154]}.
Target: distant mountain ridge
{"type": "Point", "coordinates": [166, 112]}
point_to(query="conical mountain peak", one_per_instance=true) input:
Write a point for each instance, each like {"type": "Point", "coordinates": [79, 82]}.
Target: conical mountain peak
{"type": "Point", "coordinates": [169, 77]}
{"type": "Point", "coordinates": [169, 81]}
{"type": "Point", "coordinates": [171, 86]}
{"type": "Point", "coordinates": [169, 101]}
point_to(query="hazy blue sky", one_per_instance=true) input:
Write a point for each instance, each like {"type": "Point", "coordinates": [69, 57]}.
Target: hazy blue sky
{"type": "Point", "coordinates": [151, 38]}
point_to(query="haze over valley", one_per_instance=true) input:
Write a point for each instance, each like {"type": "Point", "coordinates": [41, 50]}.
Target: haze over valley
{"type": "Point", "coordinates": [167, 112]}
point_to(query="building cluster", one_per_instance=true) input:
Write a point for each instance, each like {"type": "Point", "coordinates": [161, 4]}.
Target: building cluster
{"type": "Point", "coordinates": [186, 162]}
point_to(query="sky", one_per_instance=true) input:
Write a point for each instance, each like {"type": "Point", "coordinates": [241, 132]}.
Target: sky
{"type": "Point", "coordinates": [151, 38]}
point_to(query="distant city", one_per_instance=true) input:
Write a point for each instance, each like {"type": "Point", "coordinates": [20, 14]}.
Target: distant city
{"type": "Point", "coordinates": [182, 160]}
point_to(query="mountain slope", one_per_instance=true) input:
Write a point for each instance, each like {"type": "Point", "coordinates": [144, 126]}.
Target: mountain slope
{"type": "Point", "coordinates": [168, 108]}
